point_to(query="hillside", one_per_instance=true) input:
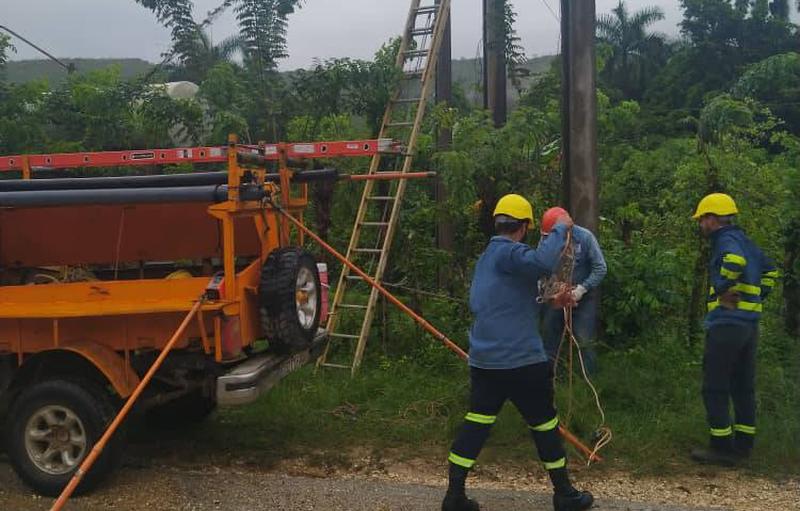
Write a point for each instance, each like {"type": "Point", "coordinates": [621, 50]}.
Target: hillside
{"type": "Point", "coordinates": [21, 71]}
{"type": "Point", "coordinates": [466, 72]}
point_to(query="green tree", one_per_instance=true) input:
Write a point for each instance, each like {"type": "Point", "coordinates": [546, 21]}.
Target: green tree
{"type": "Point", "coordinates": [5, 47]}
{"type": "Point", "coordinates": [177, 16]}
{"type": "Point", "coordinates": [723, 37]}
{"type": "Point", "coordinates": [775, 83]}
{"type": "Point", "coordinates": [514, 52]}
{"type": "Point", "coordinates": [633, 47]}
{"type": "Point", "coordinates": [262, 26]}
{"type": "Point", "coordinates": [224, 91]}
{"type": "Point", "coordinates": [358, 87]}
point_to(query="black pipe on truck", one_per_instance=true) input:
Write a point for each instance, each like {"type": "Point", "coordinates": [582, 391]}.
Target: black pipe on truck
{"type": "Point", "coordinates": [159, 181]}
{"type": "Point", "coordinates": [98, 183]}
{"type": "Point", "coordinates": [45, 198]}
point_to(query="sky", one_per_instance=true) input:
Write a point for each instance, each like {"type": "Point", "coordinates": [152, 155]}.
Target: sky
{"type": "Point", "coordinates": [321, 29]}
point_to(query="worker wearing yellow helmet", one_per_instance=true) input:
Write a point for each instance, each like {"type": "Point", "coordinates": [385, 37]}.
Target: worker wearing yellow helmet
{"type": "Point", "coordinates": [507, 358]}
{"type": "Point", "coordinates": [741, 278]}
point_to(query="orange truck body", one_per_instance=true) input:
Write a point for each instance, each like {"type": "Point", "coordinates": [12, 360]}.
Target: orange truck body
{"type": "Point", "coordinates": [106, 321]}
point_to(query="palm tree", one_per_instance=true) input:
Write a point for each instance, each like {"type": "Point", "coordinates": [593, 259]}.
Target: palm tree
{"type": "Point", "coordinates": [203, 54]}
{"type": "Point", "coordinates": [631, 46]}
{"type": "Point", "coordinates": [262, 29]}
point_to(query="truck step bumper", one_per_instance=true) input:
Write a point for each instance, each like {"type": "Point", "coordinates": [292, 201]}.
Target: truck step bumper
{"type": "Point", "coordinates": [244, 383]}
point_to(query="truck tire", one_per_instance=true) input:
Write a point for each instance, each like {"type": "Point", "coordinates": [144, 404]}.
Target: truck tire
{"type": "Point", "coordinates": [52, 426]}
{"type": "Point", "coordinates": [291, 299]}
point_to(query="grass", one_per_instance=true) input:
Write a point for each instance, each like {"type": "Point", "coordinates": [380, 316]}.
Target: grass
{"type": "Point", "coordinates": [412, 406]}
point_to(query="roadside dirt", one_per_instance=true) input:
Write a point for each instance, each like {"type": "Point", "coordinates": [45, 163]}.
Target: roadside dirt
{"type": "Point", "coordinates": [366, 483]}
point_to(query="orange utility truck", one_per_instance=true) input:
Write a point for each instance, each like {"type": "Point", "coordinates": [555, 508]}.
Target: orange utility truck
{"type": "Point", "coordinates": [96, 273]}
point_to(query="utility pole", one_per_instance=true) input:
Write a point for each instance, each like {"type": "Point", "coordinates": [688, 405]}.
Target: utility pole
{"type": "Point", "coordinates": [494, 60]}
{"type": "Point", "coordinates": [579, 112]}
{"type": "Point", "coordinates": [444, 94]}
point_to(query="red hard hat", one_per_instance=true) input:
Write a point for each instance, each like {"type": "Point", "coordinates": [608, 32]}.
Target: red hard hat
{"type": "Point", "coordinates": [550, 217]}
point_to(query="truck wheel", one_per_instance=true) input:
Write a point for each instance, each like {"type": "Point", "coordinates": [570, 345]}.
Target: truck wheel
{"type": "Point", "coordinates": [52, 426]}
{"type": "Point", "coordinates": [291, 299]}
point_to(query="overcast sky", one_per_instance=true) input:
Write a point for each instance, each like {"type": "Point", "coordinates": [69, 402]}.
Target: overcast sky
{"type": "Point", "coordinates": [321, 29]}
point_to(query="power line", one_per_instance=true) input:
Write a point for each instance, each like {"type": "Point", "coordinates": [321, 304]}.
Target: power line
{"type": "Point", "coordinates": [556, 16]}
{"type": "Point", "coordinates": [70, 68]}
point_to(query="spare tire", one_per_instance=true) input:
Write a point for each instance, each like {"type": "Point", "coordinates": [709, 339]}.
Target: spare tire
{"type": "Point", "coordinates": [291, 299]}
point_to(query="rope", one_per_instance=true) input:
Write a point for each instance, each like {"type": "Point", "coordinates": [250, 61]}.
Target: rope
{"type": "Point", "coordinates": [553, 286]}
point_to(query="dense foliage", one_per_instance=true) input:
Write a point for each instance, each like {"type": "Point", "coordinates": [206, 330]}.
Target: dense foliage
{"type": "Point", "coordinates": [716, 110]}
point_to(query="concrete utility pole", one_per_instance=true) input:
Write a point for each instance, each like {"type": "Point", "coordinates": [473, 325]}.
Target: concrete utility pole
{"type": "Point", "coordinates": [494, 60]}
{"type": "Point", "coordinates": [445, 238]}
{"type": "Point", "coordinates": [579, 112]}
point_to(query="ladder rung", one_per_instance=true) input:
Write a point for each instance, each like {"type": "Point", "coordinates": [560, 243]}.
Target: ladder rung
{"type": "Point", "coordinates": [421, 31]}
{"type": "Point", "coordinates": [413, 74]}
{"type": "Point", "coordinates": [380, 197]}
{"type": "Point", "coordinates": [428, 9]}
{"type": "Point", "coordinates": [337, 366]}
{"type": "Point", "coordinates": [417, 53]}
{"type": "Point", "coordinates": [375, 224]}
{"type": "Point", "coordinates": [351, 306]}
{"type": "Point", "coordinates": [368, 250]}
{"type": "Point", "coordinates": [343, 336]}
{"type": "Point", "coordinates": [355, 277]}
{"type": "Point", "coordinates": [408, 100]}
{"type": "Point", "coordinates": [400, 124]}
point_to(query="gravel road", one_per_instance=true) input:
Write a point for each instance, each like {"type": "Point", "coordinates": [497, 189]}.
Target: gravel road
{"type": "Point", "coordinates": [232, 489]}
{"type": "Point", "coordinates": [172, 476]}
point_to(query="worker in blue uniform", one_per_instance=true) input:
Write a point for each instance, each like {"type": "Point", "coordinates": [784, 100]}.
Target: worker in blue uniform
{"type": "Point", "coordinates": [507, 358]}
{"type": "Point", "coordinates": [741, 279]}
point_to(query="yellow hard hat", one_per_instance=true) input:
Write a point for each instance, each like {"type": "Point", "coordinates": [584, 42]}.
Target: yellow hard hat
{"type": "Point", "coordinates": [719, 204]}
{"type": "Point", "coordinates": [515, 206]}
{"type": "Point", "coordinates": [179, 274]}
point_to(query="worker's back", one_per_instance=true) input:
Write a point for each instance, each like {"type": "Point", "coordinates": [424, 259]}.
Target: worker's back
{"type": "Point", "coordinates": [505, 332]}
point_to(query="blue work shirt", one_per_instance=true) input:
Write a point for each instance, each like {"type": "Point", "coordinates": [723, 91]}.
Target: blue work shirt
{"type": "Point", "coordinates": [737, 265]}
{"type": "Point", "coordinates": [505, 333]}
{"type": "Point", "coordinates": [590, 265]}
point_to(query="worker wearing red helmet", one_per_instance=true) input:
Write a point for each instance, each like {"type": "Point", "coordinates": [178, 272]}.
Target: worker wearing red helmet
{"type": "Point", "coordinates": [506, 356]}
{"type": "Point", "coordinates": [589, 271]}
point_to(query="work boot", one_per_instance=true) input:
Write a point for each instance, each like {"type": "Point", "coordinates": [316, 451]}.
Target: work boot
{"type": "Point", "coordinates": [459, 502]}
{"type": "Point", "coordinates": [574, 500]}
{"type": "Point", "coordinates": [743, 445]}
{"type": "Point", "coordinates": [566, 497]}
{"type": "Point", "coordinates": [710, 456]}
{"type": "Point", "coordinates": [456, 499]}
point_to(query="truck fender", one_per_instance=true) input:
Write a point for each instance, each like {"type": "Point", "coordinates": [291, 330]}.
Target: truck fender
{"type": "Point", "coordinates": [121, 376]}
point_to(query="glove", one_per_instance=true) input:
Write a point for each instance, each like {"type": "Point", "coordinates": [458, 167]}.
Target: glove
{"type": "Point", "coordinates": [578, 293]}
{"type": "Point", "coordinates": [563, 299]}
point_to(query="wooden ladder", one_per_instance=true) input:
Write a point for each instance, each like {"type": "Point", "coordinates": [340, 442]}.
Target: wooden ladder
{"type": "Point", "coordinates": [354, 301]}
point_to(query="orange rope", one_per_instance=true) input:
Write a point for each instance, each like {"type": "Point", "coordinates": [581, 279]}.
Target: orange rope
{"type": "Point", "coordinates": [603, 432]}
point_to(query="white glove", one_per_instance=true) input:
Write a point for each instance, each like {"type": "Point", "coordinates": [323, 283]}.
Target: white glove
{"type": "Point", "coordinates": [578, 292]}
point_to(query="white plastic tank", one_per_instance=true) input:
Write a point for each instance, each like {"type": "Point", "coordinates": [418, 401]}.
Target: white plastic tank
{"type": "Point", "coordinates": [180, 90]}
